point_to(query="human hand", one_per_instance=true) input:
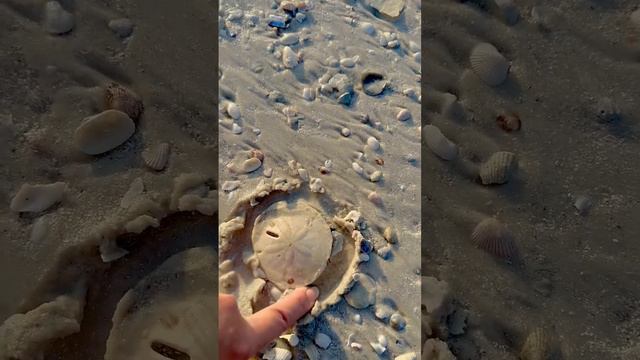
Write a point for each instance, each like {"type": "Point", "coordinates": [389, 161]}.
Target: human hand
{"type": "Point", "coordinates": [240, 338]}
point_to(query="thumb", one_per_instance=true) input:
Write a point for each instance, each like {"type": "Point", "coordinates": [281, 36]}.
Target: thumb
{"type": "Point", "coordinates": [272, 321]}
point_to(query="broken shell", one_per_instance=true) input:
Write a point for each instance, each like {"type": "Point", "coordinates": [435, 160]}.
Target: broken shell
{"type": "Point", "coordinates": [158, 157]}
{"type": "Point", "coordinates": [118, 97]}
{"type": "Point", "coordinates": [292, 339]}
{"type": "Point", "coordinates": [57, 20]}
{"type": "Point", "coordinates": [490, 66]}
{"type": "Point", "coordinates": [509, 122]}
{"type": "Point", "coordinates": [316, 186]}
{"type": "Point", "coordinates": [250, 165]}
{"type": "Point", "coordinates": [277, 353]}
{"type": "Point", "coordinates": [37, 198]}
{"type": "Point", "coordinates": [103, 132]}
{"type": "Point", "coordinates": [403, 115]}
{"type": "Point", "coordinates": [233, 110]}
{"type": "Point", "coordinates": [378, 348]}
{"type": "Point", "coordinates": [498, 169]}
{"type": "Point", "coordinates": [289, 58]}
{"type": "Point", "coordinates": [438, 143]}
{"type": "Point", "coordinates": [304, 174]}
{"type": "Point", "coordinates": [363, 292]}
{"type": "Point", "coordinates": [493, 237]}
{"type": "Point", "coordinates": [373, 82]}
{"type": "Point", "coordinates": [322, 340]}
{"type": "Point", "coordinates": [356, 346]}
{"type": "Point", "coordinates": [382, 340]}
{"type": "Point", "coordinates": [373, 143]}
{"type": "Point", "coordinates": [537, 346]}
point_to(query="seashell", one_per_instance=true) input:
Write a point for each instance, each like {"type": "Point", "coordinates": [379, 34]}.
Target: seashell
{"type": "Point", "coordinates": [158, 157]}
{"type": "Point", "coordinates": [233, 110]}
{"type": "Point", "coordinates": [309, 94]}
{"type": "Point", "coordinates": [382, 340]}
{"type": "Point", "coordinates": [57, 20]}
{"type": "Point", "coordinates": [407, 356]}
{"type": "Point", "coordinates": [289, 58]}
{"type": "Point", "coordinates": [403, 115]}
{"type": "Point", "coordinates": [490, 66]}
{"type": "Point", "coordinates": [292, 242]}
{"type": "Point", "coordinates": [606, 110]}
{"type": "Point", "coordinates": [311, 352]}
{"type": "Point", "coordinates": [393, 44]}
{"type": "Point", "coordinates": [537, 346]}
{"type": "Point", "coordinates": [498, 169]}
{"type": "Point", "coordinates": [316, 186]}
{"type": "Point", "coordinates": [438, 143]}
{"type": "Point", "coordinates": [347, 62]}
{"type": "Point", "coordinates": [390, 235]}
{"type": "Point", "coordinates": [356, 346]}
{"type": "Point", "coordinates": [373, 143]}
{"type": "Point", "coordinates": [375, 198]}
{"type": "Point", "coordinates": [236, 129]}
{"type": "Point", "coordinates": [436, 349]}
{"type": "Point", "coordinates": [375, 176]}
{"type": "Point", "coordinates": [304, 174]}
{"type": "Point", "coordinates": [289, 39]}
{"type": "Point", "coordinates": [250, 165]}
{"type": "Point", "coordinates": [230, 185]}
{"type": "Point", "coordinates": [100, 133]}
{"type": "Point", "coordinates": [378, 348]}
{"type": "Point", "coordinates": [373, 82]}
{"type": "Point", "coordinates": [345, 132]}
{"type": "Point", "coordinates": [118, 97]}
{"type": "Point", "coordinates": [292, 339]}
{"type": "Point", "coordinates": [509, 11]}
{"type": "Point", "coordinates": [277, 353]}
{"type": "Point", "coordinates": [357, 318]}
{"type": "Point", "coordinates": [397, 322]}
{"type": "Point", "coordinates": [122, 27]}
{"type": "Point", "coordinates": [583, 204]}
{"type": "Point", "coordinates": [383, 312]}
{"type": "Point", "coordinates": [368, 28]}
{"type": "Point", "coordinates": [37, 198]}
{"type": "Point", "coordinates": [357, 168]}
{"type": "Point", "coordinates": [509, 122]}
{"type": "Point", "coordinates": [322, 340]}
{"type": "Point", "coordinates": [363, 293]}
{"type": "Point", "coordinates": [493, 237]}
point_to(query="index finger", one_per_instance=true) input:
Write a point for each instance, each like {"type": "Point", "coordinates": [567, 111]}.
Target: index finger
{"type": "Point", "coordinates": [272, 321]}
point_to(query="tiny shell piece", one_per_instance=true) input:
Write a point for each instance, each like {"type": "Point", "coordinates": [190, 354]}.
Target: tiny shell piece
{"type": "Point", "coordinates": [292, 339]}
{"type": "Point", "coordinates": [498, 169]}
{"type": "Point", "coordinates": [277, 353]}
{"type": "Point", "coordinates": [490, 66]}
{"type": "Point", "coordinates": [378, 348]}
{"type": "Point", "coordinates": [322, 340]}
{"type": "Point", "coordinates": [230, 185]}
{"type": "Point", "coordinates": [357, 168]}
{"type": "Point", "coordinates": [345, 132]}
{"type": "Point", "coordinates": [37, 198]}
{"type": "Point", "coordinates": [158, 157]}
{"type": "Point", "coordinates": [100, 133]}
{"type": "Point", "coordinates": [356, 346]}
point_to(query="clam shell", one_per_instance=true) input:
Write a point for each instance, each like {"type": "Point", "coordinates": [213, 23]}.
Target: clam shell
{"type": "Point", "coordinates": [57, 20]}
{"type": "Point", "coordinates": [438, 143]}
{"type": "Point", "coordinates": [490, 66]}
{"type": "Point", "coordinates": [103, 132]}
{"type": "Point", "coordinates": [289, 58]}
{"type": "Point", "coordinates": [373, 143]}
{"type": "Point", "coordinates": [120, 98]}
{"type": "Point", "coordinates": [498, 169]}
{"type": "Point", "coordinates": [233, 110]}
{"type": "Point", "coordinates": [537, 346]}
{"type": "Point", "coordinates": [37, 198]}
{"type": "Point", "coordinates": [363, 292]}
{"type": "Point", "coordinates": [157, 157]}
{"type": "Point", "coordinates": [250, 165]}
{"type": "Point", "coordinates": [493, 237]}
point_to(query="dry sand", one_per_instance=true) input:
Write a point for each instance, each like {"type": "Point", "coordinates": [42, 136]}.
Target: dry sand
{"type": "Point", "coordinates": [578, 275]}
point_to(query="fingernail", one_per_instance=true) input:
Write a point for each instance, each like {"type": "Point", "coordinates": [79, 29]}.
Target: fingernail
{"type": "Point", "coordinates": [312, 293]}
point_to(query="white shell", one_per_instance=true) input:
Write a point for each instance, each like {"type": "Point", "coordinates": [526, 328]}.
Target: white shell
{"type": "Point", "coordinates": [357, 168]}
{"type": "Point", "coordinates": [56, 19]}
{"type": "Point", "coordinates": [292, 339]}
{"type": "Point", "coordinates": [293, 243]}
{"type": "Point", "coordinates": [403, 115]}
{"type": "Point", "coordinates": [345, 132]}
{"type": "Point", "coordinates": [375, 176]}
{"type": "Point", "coordinates": [378, 348]}
{"type": "Point", "coordinates": [382, 340]}
{"type": "Point", "coordinates": [407, 356]}
{"type": "Point", "coordinates": [157, 157]}
{"type": "Point", "coordinates": [37, 198]}
{"type": "Point", "coordinates": [250, 165]}
{"type": "Point", "coordinates": [322, 340]}
{"type": "Point", "coordinates": [490, 66]}
{"type": "Point", "coordinates": [289, 58]}
{"type": "Point", "coordinates": [309, 94]}
{"type": "Point", "coordinates": [363, 292]}
{"type": "Point", "coordinates": [498, 169]}
{"type": "Point", "coordinates": [493, 237]}
{"type": "Point", "coordinates": [373, 143]}
{"type": "Point", "coordinates": [438, 143]}
{"type": "Point", "coordinates": [316, 186]}
{"type": "Point", "coordinates": [233, 110]}
{"type": "Point", "coordinates": [103, 132]}
{"type": "Point", "coordinates": [277, 353]}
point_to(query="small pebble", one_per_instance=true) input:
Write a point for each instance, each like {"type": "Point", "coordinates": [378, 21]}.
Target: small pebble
{"type": "Point", "coordinates": [347, 62]}
{"type": "Point", "coordinates": [345, 132]}
{"type": "Point", "coordinates": [357, 318]}
{"type": "Point", "coordinates": [393, 44]}
{"type": "Point", "coordinates": [390, 235]}
{"type": "Point", "coordinates": [122, 27]}
{"type": "Point", "coordinates": [368, 28]}
{"type": "Point", "coordinates": [375, 176]}
{"type": "Point", "coordinates": [583, 204]}
{"type": "Point", "coordinates": [322, 340]}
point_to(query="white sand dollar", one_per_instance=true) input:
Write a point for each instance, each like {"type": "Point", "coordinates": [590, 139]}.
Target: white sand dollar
{"type": "Point", "coordinates": [293, 243]}
{"type": "Point", "coordinates": [103, 132]}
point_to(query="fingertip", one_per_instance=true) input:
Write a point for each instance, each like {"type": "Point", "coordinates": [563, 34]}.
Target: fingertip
{"type": "Point", "coordinates": [312, 293]}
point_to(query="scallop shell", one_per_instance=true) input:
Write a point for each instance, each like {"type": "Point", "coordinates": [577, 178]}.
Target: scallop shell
{"type": "Point", "coordinates": [493, 237]}
{"type": "Point", "coordinates": [490, 66]}
{"type": "Point", "coordinates": [157, 157]}
{"type": "Point", "coordinates": [289, 58]}
{"type": "Point", "coordinates": [537, 346]}
{"type": "Point", "coordinates": [498, 169]}
{"type": "Point", "coordinates": [120, 98]}
{"type": "Point", "coordinates": [100, 133]}
{"type": "Point", "coordinates": [37, 198]}
{"type": "Point", "coordinates": [363, 292]}
{"type": "Point", "coordinates": [57, 20]}
{"type": "Point", "coordinates": [293, 243]}
{"type": "Point", "coordinates": [438, 143]}
{"type": "Point", "coordinates": [164, 318]}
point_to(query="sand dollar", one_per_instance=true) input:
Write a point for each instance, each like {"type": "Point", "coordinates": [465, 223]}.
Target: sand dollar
{"type": "Point", "coordinates": [293, 243]}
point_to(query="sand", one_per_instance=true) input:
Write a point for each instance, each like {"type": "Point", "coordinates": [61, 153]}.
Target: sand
{"type": "Point", "coordinates": [578, 273]}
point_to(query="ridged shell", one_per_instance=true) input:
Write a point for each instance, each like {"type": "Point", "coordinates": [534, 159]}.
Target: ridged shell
{"type": "Point", "coordinates": [490, 66]}
{"type": "Point", "coordinates": [363, 292]}
{"type": "Point", "coordinates": [498, 169]}
{"type": "Point", "coordinates": [36, 198]}
{"type": "Point", "coordinates": [289, 58]}
{"type": "Point", "coordinates": [493, 237]}
{"type": "Point", "coordinates": [537, 346]}
{"type": "Point", "coordinates": [57, 20]}
{"type": "Point", "coordinates": [438, 143]}
{"type": "Point", "coordinates": [157, 157]}
{"type": "Point", "coordinates": [103, 132]}
{"type": "Point", "coordinates": [120, 98]}
{"type": "Point", "coordinates": [293, 243]}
